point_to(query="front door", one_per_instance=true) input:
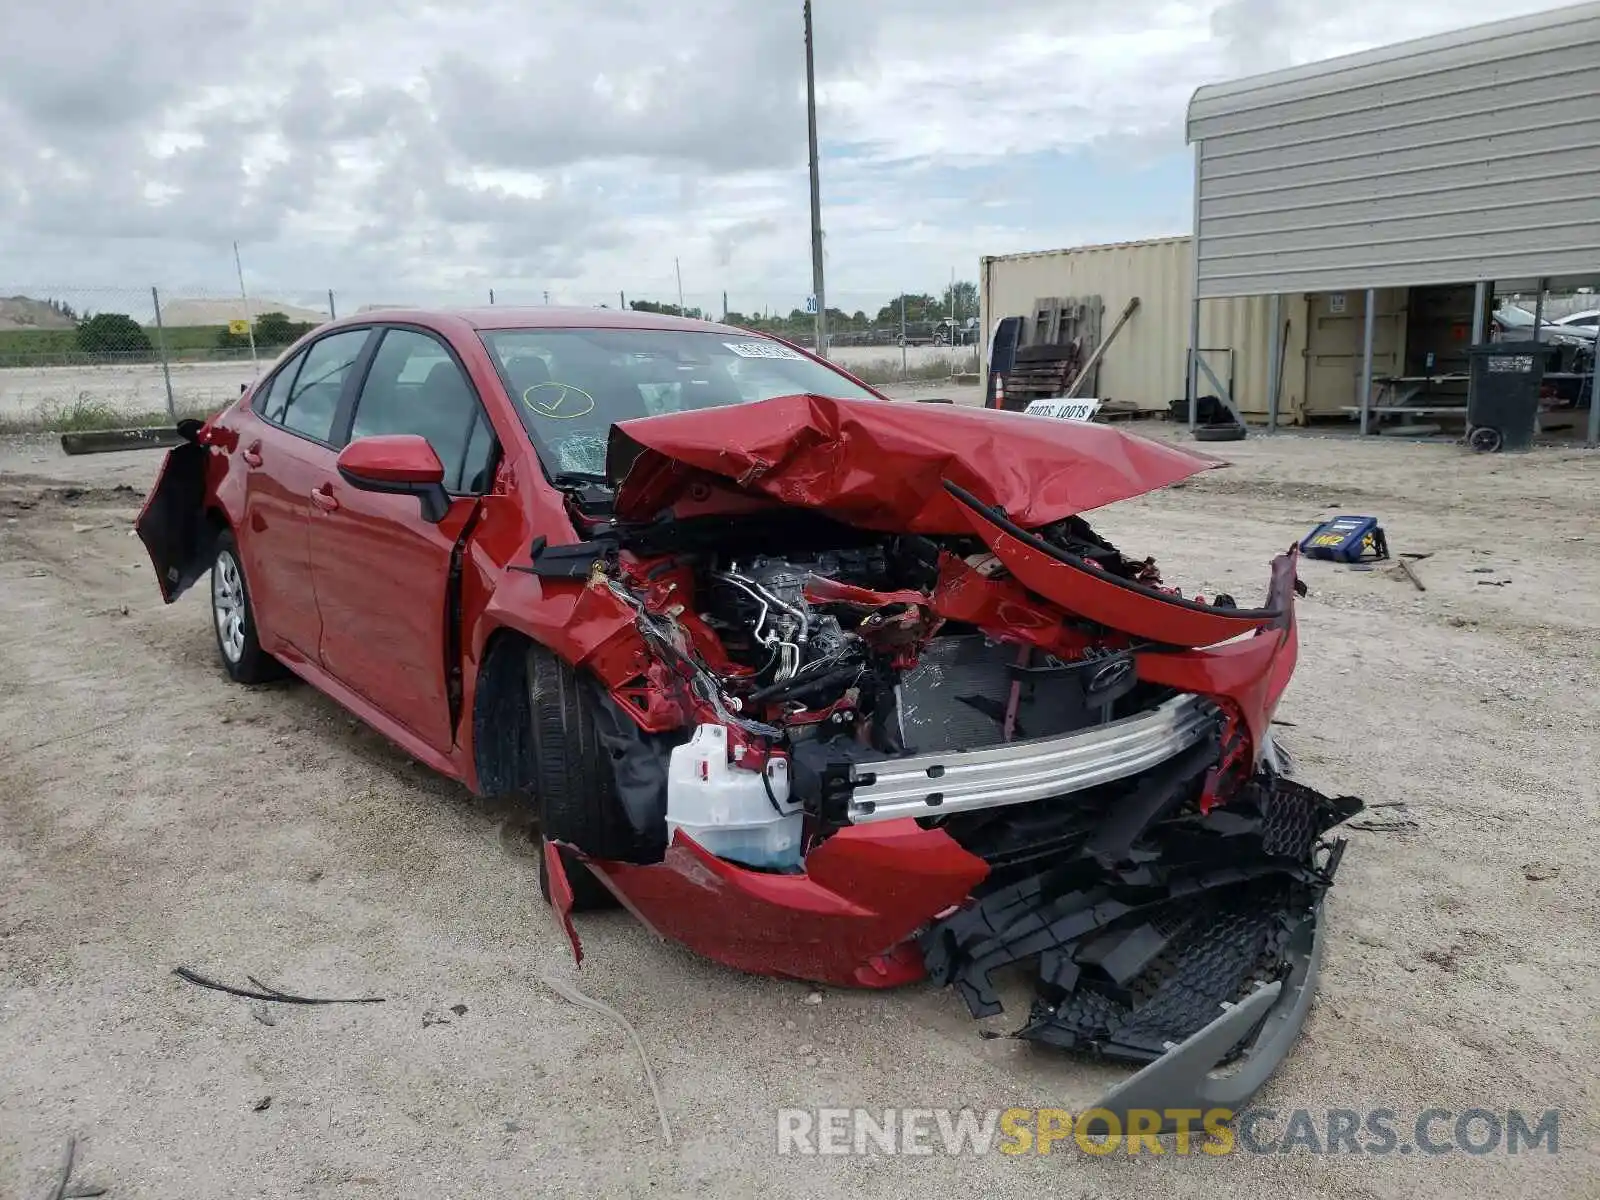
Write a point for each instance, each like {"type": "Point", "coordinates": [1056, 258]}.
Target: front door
{"type": "Point", "coordinates": [382, 569]}
{"type": "Point", "coordinates": [286, 445]}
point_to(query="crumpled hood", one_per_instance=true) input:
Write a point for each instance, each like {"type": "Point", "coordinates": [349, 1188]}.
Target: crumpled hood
{"type": "Point", "coordinates": [883, 466]}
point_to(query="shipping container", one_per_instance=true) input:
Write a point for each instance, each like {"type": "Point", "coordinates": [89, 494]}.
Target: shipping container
{"type": "Point", "coordinates": [1146, 363]}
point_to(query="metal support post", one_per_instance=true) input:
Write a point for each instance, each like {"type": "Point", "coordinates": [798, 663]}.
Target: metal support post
{"type": "Point", "coordinates": [161, 348]}
{"type": "Point", "coordinates": [1366, 356]}
{"type": "Point", "coordinates": [1274, 360]}
{"type": "Point", "coordinates": [1192, 374]}
{"type": "Point", "coordinates": [1594, 392]}
{"type": "Point", "coordinates": [904, 370]}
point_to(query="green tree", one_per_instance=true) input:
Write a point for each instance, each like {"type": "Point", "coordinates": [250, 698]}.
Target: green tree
{"type": "Point", "coordinates": [922, 307]}
{"type": "Point", "coordinates": [966, 300]}
{"type": "Point", "coordinates": [112, 333]}
{"type": "Point", "coordinates": [275, 329]}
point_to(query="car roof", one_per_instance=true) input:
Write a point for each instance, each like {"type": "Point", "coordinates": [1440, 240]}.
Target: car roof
{"type": "Point", "coordinates": [545, 316]}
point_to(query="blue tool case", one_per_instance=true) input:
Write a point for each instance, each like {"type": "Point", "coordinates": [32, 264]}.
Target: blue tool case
{"type": "Point", "coordinates": [1346, 539]}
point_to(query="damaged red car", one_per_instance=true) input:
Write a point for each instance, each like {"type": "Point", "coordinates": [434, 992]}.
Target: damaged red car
{"type": "Point", "coordinates": [820, 685]}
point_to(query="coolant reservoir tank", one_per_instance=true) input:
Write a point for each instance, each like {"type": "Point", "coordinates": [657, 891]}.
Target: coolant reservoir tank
{"type": "Point", "coordinates": [727, 809]}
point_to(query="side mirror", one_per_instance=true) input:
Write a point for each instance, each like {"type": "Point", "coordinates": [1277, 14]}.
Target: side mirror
{"type": "Point", "coordinates": [401, 464]}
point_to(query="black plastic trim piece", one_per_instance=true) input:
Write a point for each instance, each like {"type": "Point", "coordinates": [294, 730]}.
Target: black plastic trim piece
{"type": "Point", "coordinates": [435, 500]}
{"type": "Point", "coordinates": [573, 560]}
{"type": "Point", "coordinates": [1183, 1077]}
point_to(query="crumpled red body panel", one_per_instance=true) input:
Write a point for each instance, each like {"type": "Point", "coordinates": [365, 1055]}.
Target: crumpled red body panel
{"type": "Point", "coordinates": [883, 466]}
{"type": "Point", "coordinates": [1133, 609]}
{"type": "Point", "coordinates": [1249, 674]}
{"type": "Point", "coordinates": [846, 921]}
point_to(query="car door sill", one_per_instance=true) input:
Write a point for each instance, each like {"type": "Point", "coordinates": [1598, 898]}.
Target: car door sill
{"type": "Point", "coordinates": [352, 702]}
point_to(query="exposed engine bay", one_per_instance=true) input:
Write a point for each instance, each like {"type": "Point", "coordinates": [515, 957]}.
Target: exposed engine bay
{"type": "Point", "coordinates": [852, 648]}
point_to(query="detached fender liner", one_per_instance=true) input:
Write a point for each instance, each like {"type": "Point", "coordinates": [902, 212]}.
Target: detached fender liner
{"type": "Point", "coordinates": [173, 524]}
{"type": "Point", "coordinates": [1167, 938]}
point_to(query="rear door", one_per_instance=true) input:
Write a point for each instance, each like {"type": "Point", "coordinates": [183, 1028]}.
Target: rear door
{"type": "Point", "coordinates": [383, 571]}
{"type": "Point", "coordinates": [287, 447]}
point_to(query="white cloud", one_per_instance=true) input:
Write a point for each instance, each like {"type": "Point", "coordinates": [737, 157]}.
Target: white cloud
{"type": "Point", "coordinates": [434, 149]}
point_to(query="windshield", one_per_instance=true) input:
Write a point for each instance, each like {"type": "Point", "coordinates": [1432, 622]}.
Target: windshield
{"type": "Point", "coordinates": [1510, 314]}
{"type": "Point", "coordinates": [571, 385]}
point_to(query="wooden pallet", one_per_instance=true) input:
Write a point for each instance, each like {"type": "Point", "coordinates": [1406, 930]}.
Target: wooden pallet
{"type": "Point", "coordinates": [1041, 373]}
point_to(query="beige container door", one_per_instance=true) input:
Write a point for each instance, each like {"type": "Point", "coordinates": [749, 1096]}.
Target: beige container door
{"type": "Point", "coordinates": [1333, 352]}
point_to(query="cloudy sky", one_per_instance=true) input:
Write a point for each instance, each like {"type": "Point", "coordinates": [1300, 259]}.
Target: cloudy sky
{"type": "Point", "coordinates": [418, 151]}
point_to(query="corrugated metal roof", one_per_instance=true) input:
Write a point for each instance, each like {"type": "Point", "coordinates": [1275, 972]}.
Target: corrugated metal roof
{"type": "Point", "coordinates": [1390, 62]}
{"type": "Point", "coordinates": [1470, 155]}
{"type": "Point", "coordinates": [1025, 254]}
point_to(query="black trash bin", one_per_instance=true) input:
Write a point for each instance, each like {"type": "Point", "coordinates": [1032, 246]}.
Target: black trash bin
{"type": "Point", "coordinates": [1503, 394]}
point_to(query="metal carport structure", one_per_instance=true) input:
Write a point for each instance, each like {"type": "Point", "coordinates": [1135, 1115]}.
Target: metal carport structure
{"type": "Point", "coordinates": [1469, 157]}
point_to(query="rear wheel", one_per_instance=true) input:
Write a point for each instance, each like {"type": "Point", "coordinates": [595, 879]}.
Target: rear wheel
{"type": "Point", "coordinates": [234, 619]}
{"type": "Point", "coordinates": [574, 785]}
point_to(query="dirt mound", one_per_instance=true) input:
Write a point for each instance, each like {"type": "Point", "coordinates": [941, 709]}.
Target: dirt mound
{"type": "Point", "coordinates": [24, 312]}
{"type": "Point", "coordinates": [220, 312]}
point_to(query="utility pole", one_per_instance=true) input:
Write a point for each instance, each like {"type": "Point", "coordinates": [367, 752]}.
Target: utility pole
{"type": "Point", "coordinates": [816, 191]}
{"type": "Point", "coordinates": [679, 271]}
{"type": "Point", "coordinates": [903, 367]}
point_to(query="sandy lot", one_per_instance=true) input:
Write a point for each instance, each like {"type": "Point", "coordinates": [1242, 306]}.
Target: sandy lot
{"type": "Point", "coordinates": [152, 814]}
{"type": "Point", "coordinates": [137, 388]}
{"type": "Point", "coordinates": [140, 388]}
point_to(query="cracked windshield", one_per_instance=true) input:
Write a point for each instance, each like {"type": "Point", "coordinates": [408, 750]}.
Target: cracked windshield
{"type": "Point", "coordinates": [570, 385]}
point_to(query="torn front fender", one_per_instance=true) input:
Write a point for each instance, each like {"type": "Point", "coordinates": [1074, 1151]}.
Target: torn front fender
{"type": "Point", "coordinates": [846, 920]}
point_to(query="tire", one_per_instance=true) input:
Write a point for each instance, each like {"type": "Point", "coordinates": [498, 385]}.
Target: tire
{"type": "Point", "coordinates": [1485, 439]}
{"type": "Point", "coordinates": [233, 619]}
{"type": "Point", "coordinates": [1231, 432]}
{"type": "Point", "coordinates": [574, 786]}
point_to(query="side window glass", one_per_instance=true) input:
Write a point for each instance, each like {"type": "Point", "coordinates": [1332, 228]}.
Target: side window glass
{"type": "Point", "coordinates": [414, 386]}
{"type": "Point", "coordinates": [274, 398]}
{"type": "Point", "coordinates": [477, 463]}
{"type": "Point", "coordinates": [314, 395]}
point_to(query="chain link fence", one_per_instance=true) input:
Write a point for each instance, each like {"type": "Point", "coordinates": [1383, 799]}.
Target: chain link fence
{"type": "Point", "coordinates": [103, 357]}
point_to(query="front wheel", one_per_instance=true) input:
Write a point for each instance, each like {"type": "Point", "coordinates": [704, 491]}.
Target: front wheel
{"type": "Point", "coordinates": [574, 783]}
{"type": "Point", "coordinates": [233, 618]}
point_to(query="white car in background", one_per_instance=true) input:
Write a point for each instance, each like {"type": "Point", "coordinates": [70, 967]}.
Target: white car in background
{"type": "Point", "coordinates": [1588, 320]}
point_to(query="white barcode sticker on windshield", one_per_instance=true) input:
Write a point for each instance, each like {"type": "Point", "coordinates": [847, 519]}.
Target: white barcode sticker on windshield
{"type": "Point", "coordinates": [762, 350]}
{"type": "Point", "coordinates": [1064, 410]}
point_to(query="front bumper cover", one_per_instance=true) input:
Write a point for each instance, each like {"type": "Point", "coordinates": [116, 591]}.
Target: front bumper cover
{"type": "Point", "coordinates": [1189, 945]}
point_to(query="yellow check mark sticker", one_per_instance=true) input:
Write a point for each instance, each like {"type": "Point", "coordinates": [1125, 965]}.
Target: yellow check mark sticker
{"type": "Point", "coordinates": [558, 401]}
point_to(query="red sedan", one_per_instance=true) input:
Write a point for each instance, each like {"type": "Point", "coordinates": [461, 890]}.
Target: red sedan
{"type": "Point", "coordinates": [820, 685]}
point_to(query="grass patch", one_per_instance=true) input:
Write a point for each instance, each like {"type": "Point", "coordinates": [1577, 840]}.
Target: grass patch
{"type": "Point", "coordinates": [889, 370]}
{"type": "Point", "coordinates": [85, 415]}
{"type": "Point", "coordinates": [59, 347]}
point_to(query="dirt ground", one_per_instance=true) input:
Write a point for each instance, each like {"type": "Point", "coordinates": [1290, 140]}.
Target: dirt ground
{"type": "Point", "coordinates": [152, 814]}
